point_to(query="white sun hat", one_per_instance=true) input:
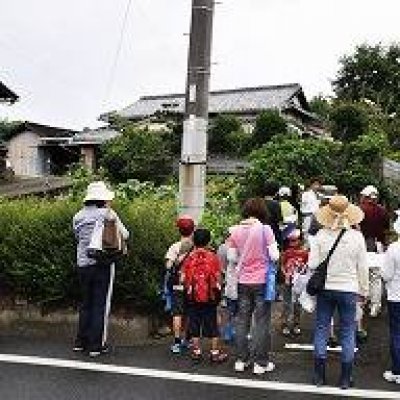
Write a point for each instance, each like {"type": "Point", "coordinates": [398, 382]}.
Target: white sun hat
{"type": "Point", "coordinates": [284, 191]}
{"type": "Point", "coordinates": [370, 191]}
{"type": "Point", "coordinates": [98, 191]}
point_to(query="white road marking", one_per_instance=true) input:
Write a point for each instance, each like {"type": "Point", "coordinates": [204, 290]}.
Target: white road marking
{"type": "Point", "coordinates": [310, 347]}
{"type": "Point", "coordinates": [197, 378]}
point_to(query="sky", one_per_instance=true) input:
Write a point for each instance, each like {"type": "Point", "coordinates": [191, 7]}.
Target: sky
{"type": "Point", "coordinates": [61, 56]}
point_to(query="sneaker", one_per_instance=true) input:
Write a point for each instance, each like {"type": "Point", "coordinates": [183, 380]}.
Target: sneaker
{"type": "Point", "coordinates": [79, 346]}
{"type": "Point", "coordinates": [296, 330]}
{"type": "Point", "coordinates": [261, 369]}
{"type": "Point", "coordinates": [391, 377]}
{"type": "Point", "coordinates": [195, 354]}
{"type": "Point", "coordinates": [176, 348]}
{"type": "Point", "coordinates": [286, 331]}
{"type": "Point", "coordinates": [218, 356]}
{"type": "Point", "coordinates": [99, 351]}
{"type": "Point", "coordinates": [240, 365]}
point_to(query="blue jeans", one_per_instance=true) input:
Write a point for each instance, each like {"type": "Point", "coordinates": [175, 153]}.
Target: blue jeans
{"type": "Point", "coordinates": [251, 300]}
{"type": "Point", "coordinates": [327, 302]}
{"type": "Point", "coordinates": [394, 326]}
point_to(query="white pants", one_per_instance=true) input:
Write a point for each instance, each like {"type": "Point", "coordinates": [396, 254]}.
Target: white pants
{"type": "Point", "coordinates": [375, 287]}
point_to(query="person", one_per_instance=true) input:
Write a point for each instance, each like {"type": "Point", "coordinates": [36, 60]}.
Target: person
{"type": "Point", "coordinates": [95, 278]}
{"type": "Point", "coordinates": [288, 212]}
{"type": "Point", "coordinates": [173, 262]}
{"type": "Point", "coordinates": [374, 228]}
{"type": "Point", "coordinates": [229, 297]}
{"type": "Point", "coordinates": [294, 261]}
{"type": "Point", "coordinates": [309, 205]}
{"type": "Point", "coordinates": [346, 280]}
{"type": "Point", "coordinates": [274, 215]}
{"type": "Point", "coordinates": [201, 275]}
{"type": "Point", "coordinates": [390, 273]}
{"type": "Point", "coordinates": [253, 245]}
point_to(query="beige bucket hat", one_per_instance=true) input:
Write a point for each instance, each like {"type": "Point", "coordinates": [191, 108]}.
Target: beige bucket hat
{"type": "Point", "coordinates": [339, 213]}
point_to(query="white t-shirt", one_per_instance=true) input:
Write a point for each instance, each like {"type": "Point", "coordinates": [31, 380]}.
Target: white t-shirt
{"type": "Point", "coordinates": [309, 202]}
{"type": "Point", "coordinates": [173, 251]}
{"type": "Point", "coordinates": [390, 271]}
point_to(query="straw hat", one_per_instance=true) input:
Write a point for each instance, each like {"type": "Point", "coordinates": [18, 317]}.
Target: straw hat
{"type": "Point", "coordinates": [98, 191]}
{"type": "Point", "coordinates": [339, 213]}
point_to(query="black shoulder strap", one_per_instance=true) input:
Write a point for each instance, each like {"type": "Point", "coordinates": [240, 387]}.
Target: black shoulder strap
{"type": "Point", "coordinates": [180, 263]}
{"type": "Point", "coordinates": [333, 248]}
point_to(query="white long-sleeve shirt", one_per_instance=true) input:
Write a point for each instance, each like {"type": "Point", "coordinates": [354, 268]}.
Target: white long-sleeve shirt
{"type": "Point", "coordinates": [347, 268]}
{"type": "Point", "coordinates": [390, 271]}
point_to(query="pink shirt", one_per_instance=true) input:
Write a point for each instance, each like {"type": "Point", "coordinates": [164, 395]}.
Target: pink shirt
{"type": "Point", "coordinates": [248, 239]}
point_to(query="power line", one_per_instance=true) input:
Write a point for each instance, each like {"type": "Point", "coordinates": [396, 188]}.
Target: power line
{"type": "Point", "coordinates": [113, 69]}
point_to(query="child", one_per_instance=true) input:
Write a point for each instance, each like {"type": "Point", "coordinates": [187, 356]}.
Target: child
{"type": "Point", "coordinates": [201, 273]}
{"type": "Point", "coordinates": [294, 260]}
{"type": "Point", "coordinates": [174, 258]}
{"type": "Point", "coordinates": [390, 273]}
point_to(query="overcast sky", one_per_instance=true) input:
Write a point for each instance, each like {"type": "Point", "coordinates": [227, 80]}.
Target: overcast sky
{"type": "Point", "coordinates": [58, 55]}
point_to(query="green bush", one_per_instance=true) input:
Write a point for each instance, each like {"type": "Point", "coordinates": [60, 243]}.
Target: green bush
{"type": "Point", "coordinates": [37, 251]}
{"type": "Point", "coordinates": [288, 161]}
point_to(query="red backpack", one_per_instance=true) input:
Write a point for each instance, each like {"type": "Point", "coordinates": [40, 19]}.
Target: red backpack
{"type": "Point", "coordinates": [201, 280]}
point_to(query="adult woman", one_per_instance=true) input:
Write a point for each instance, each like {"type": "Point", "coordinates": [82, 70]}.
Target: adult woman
{"type": "Point", "coordinates": [96, 278]}
{"type": "Point", "coordinates": [346, 282]}
{"type": "Point", "coordinates": [252, 243]}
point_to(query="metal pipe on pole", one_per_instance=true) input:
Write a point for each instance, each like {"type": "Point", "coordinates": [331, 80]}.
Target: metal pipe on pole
{"type": "Point", "coordinates": [192, 169]}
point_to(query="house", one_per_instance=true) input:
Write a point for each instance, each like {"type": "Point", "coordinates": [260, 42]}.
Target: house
{"type": "Point", "coordinates": [7, 95]}
{"type": "Point", "coordinates": [89, 141]}
{"type": "Point", "coordinates": [38, 150]}
{"type": "Point", "coordinates": [246, 103]}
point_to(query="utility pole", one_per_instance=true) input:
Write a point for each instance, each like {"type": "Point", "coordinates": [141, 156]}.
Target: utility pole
{"type": "Point", "coordinates": [192, 169]}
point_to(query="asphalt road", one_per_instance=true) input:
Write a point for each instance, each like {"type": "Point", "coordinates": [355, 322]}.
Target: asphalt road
{"type": "Point", "coordinates": [150, 372]}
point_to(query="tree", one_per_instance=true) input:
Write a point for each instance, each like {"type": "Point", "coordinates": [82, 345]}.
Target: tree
{"type": "Point", "coordinates": [371, 72]}
{"type": "Point", "coordinates": [321, 106]}
{"type": "Point", "coordinates": [291, 160]}
{"type": "Point", "coordinates": [221, 128]}
{"type": "Point", "coordinates": [137, 153]}
{"type": "Point", "coordinates": [348, 121]}
{"type": "Point", "coordinates": [268, 124]}
{"type": "Point", "coordinates": [8, 129]}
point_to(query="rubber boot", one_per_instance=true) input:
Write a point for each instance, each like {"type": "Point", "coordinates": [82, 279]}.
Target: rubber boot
{"type": "Point", "coordinates": [346, 380]}
{"type": "Point", "coordinates": [319, 377]}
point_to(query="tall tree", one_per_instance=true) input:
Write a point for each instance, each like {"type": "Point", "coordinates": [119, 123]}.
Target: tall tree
{"type": "Point", "coordinates": [221, 128]}
{"type": "Point", "coordinates": [373, 73]}
{"type": "Point", "coordinates": [268, 124]}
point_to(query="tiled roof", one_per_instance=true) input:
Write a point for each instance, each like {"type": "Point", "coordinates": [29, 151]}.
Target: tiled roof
{"type": "Point", "coordinates": [6, 94]}
{"type": "Point", "coordinates": [224, 101]}
{"type": "Point", "coordinates": [95, 136]}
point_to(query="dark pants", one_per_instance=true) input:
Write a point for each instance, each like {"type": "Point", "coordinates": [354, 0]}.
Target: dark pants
{"type": "Point", "coordinates": [96, 287]}
{"type": "Point", "coordinates": [327, 302]}
{"type": "Point", "coordinates": [394, 326]}
{"type": "Point", "coordinates": [251, 301]}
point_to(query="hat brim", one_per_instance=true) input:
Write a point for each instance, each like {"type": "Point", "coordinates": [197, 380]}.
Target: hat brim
{"type": "Point", "coordinates": [106, 195]}
{"type": "Point", "coordinates": [353, 215]}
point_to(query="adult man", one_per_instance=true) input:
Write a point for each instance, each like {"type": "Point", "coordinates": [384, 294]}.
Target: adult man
{"type": "Point", "coordinates": [374, 228]}
{"type": "Point", "coordinates": [309, 205]}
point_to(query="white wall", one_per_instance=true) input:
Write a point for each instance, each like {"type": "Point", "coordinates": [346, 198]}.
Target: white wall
{"type": "Point", "coordinates": [25, 156]}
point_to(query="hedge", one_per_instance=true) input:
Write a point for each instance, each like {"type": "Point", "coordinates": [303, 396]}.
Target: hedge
{"type": "Point", "coordinates": [37, 251]}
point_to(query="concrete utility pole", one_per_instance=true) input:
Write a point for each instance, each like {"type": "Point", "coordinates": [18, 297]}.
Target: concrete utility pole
{"type": "Point", "coordinates": [192, 170]}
